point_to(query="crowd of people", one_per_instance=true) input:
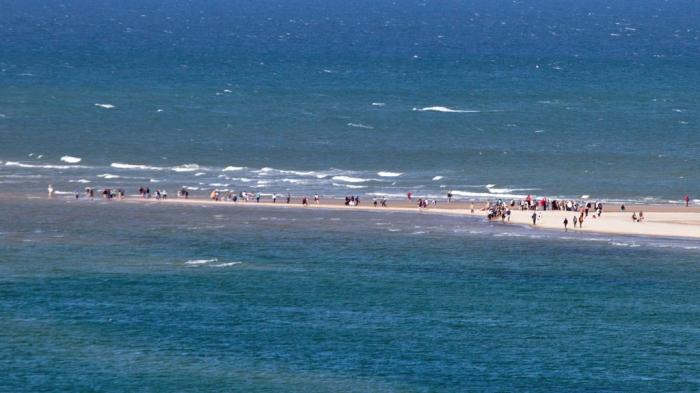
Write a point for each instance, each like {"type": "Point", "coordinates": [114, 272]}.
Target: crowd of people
{"type": "Point", "coordinates": [495, 210]}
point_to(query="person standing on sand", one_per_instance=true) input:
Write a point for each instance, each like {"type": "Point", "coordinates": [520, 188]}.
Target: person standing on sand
{"type": "Point", "coordinates": [566, 223]}
{"type": "Point", "coordinates": [575, 221]}
{"type": "Point", "coordinates": [449, 197]}
{"type": "Point", "coordinates": [289, 198]}
{"type": "Point", "coordinates": [534, 218]}
{"type": "Point", "coordinates": [51, 191]}
{"type": "Point", "coordinates": [316, 199]}
{"type": "Point", "coordinates": [409, 195]}
{"type": "Point", "coordinates": [687, 200]}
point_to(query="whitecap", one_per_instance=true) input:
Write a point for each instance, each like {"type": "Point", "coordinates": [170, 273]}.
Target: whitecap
{"type": "Point", "coordinates": [218, 185]}
{"type": "Point", "coordinates": [105, 106]}
{"type": "Point", "coordinates": [436, 178]}
{"type": "Point", "coordinates": [155, 181]}
{"type": "Point", "coordinates": [120, 165]}
{"type": "Point", "coordinates": [79, 181]}
{"type": "Point", "coordinates": [199, 174]}
{"type": "Point", "coordinates": [71, 159]}
{"type": "Point", "coordinates": [109, 176]}
{"type": "Point", "coordinates": [378, 104]}
{"type": "Point", "coordinates": [232, 168]}
{"type": "Point", "coordinates": [227, 264]}
{"type": "Point", "coordinates": [389, 174]}
{"type": "Point", "coordinates": [350, 179]}
{"type": "Point", "coordinates": [444, 110]}
{"type": "Point", "coordinates": [186, 168]}
{"type": "Point", "coordinates": [299, 173]}
{"type": "Point", "coordinates": [22, 165]}
{"type": "Point", "coordinates": [360, 125]}
{"type": "Point", "coordinates": [509, 190]}
{"type": "Point", "coordinates": [295, 181]}
{"type": "Point", "coordinates": [200, 261]}
{"type": "Point", "coordinates": [485, 195]}
{"type": "Point", "coordinates": [348, 186]}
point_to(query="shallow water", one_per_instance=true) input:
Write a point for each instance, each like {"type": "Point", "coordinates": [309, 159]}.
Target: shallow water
{"type": "Point", "coordinates": [112, 296]}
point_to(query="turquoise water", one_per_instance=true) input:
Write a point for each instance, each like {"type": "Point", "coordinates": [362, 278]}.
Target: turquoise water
{"type": "Point", "coordinates": [110, 296]}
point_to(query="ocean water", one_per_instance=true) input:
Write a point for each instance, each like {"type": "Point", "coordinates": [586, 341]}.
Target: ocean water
{"type": "Point", "coordinates": [485, 99]}
{"type": "Point", "coordinates": [567, 99]}
{"type": "Point", "coordinates": [109, 296]}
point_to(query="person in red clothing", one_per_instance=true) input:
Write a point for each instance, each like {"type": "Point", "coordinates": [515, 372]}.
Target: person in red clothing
{"type": "Point", "coordinates": [687, 199]}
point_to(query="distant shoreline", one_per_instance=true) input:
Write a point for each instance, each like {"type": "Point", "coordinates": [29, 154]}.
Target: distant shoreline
{"type": "Point", "coordinates": [659, 220]}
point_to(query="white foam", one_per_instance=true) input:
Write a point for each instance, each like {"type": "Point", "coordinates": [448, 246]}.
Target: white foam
{"type": "Point", "coordinates": [436, 178]}
{"type": "Point", "coordinates": [444, 110]}
{"type": "Point", "coordinates": [350, 179]}
{"type": "Point", "coordinates": [155, 181]}
{"type": "Point", "coordinates": [299, 173]}
{"type": "Point", "coordinates": [22, 165]}
{"type": "Point", "coordinates": [71, 159]}
{"type": "Point", "coordinates": [186, 168]}
{"type": "Point", "coordinates": [232, 168]}
{"type": "Point", "coordinates": [389, 174]}
{"type": "Point", "coordinates": [295, 181]}
{"type": "Point", "coordinates": [348, 186]}
{"type": "Point", "coordinates": [200, 261]}
{"type": "Point", "coordinates": [378, 104]}
{"type": "Point", "coordinates": [105, 106]}
{"type": "Point", "coordinates": [508, 190]}
{"type": "Point", "coordinates": [199, 174]}
{"type": "Point", "coordinates": [486, 195]}
{"type": "Point", "coordinates": [218, 185]}
{"type": "Point", "coordinates": [227, 264]}
{"type": "Point", "coordinates": [360, 125]}
{"type": "Point", "coordinates": [109, 176]}
{"type": "Point", "coordinates": [79, 181]}
{"type": "Point", "coordinates": [120, 165]}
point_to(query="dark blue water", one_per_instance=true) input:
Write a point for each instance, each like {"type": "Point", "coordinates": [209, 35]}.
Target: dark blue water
{"type": "Point", "coordinates": [567, 99]}
{"type": "Point", "coordinates": [110, 296]}
{"type": "Point", "coordinates": [485, 99]}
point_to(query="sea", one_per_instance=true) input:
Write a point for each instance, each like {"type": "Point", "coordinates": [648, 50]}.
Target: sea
{"type": "Point", "coordinates": [484, 99]}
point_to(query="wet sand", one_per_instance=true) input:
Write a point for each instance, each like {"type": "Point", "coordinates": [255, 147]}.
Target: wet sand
{"type": "Point", "coordinates": [659, 220]}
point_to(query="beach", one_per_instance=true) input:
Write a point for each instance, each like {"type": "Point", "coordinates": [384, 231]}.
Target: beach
{"type": "Point", "coordinates": [659, 220]}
